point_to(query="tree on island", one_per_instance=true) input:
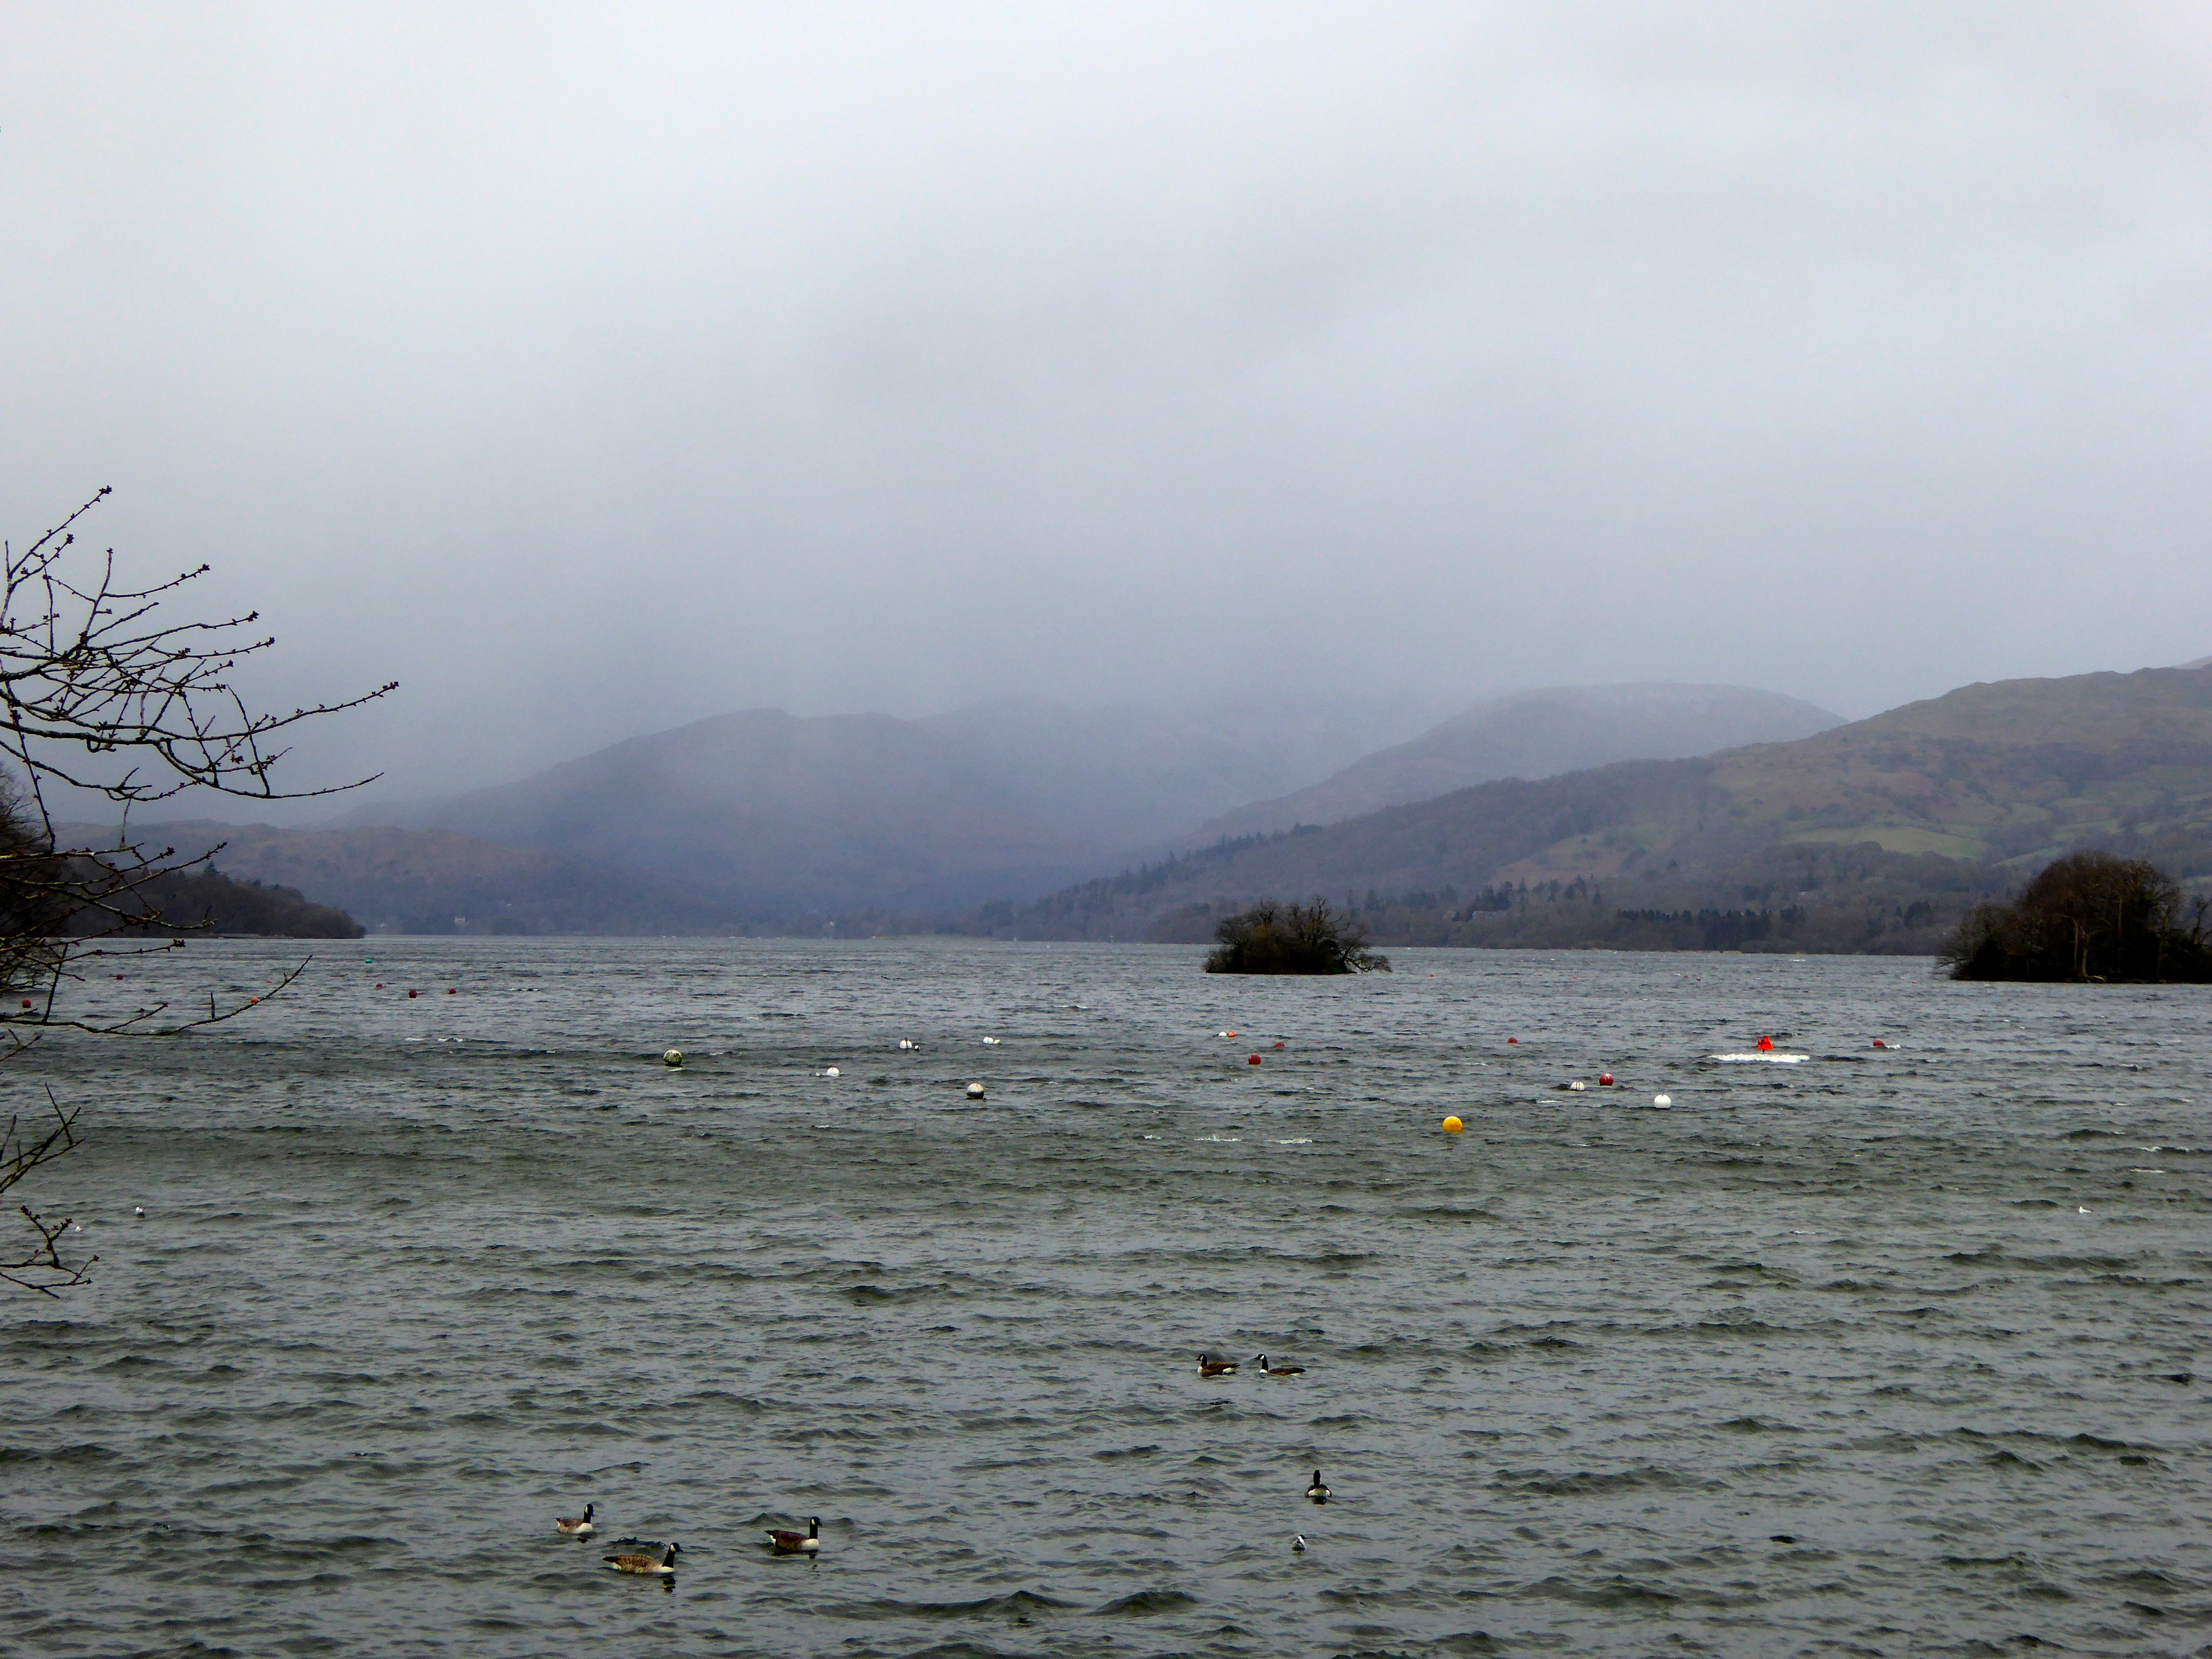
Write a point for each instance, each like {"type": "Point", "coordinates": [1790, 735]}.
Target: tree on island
{"type": "Point", "coordinates": [1292, 939]}
{"type": "Point", "coordinates": [2089, 916]}
{"type": "Point", "coordinates": [99, 695]}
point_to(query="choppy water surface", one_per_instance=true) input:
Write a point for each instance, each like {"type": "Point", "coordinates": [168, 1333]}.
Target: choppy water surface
{"type": "Point", "coordinates": [1885, 1352]}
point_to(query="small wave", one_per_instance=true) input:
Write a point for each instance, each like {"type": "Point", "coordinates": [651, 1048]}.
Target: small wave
{"type": "Point", "coordinates": [1143, 1604]}
{"type": "Point", "coordinates": [1758, 1060]}
{"type": "Point", "coordinates": [1014, 1604]}
{"type": "Point", "coordinates": [1307, 1140]}
{"type": "Point", "coordinates": [1585, 1484]}
{"type": "Point", "coordinates": [1220, 1141]}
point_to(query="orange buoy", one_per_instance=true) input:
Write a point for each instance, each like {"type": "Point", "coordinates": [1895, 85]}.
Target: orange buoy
{"type": "Point", "coordinates": [1764, 1043]}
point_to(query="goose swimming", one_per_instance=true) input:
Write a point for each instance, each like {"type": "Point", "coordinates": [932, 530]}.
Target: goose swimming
{"type": "Point", "coordinates": [581, 1527]}
{"type": "Point", "coordinates": [1318, 1492]}
{"type": "Point", "coordinates": [646, 1565]}
{"type": "Point", "coordinates": [1278, 1370]}
{"type": "Point", "coordinates": [785, 1542]}
{"type": "Point", "coordinates": [1209, 1366]}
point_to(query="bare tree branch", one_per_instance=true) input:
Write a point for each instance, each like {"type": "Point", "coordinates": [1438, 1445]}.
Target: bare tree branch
{"type": "Point", "coordinates": [99, 692]}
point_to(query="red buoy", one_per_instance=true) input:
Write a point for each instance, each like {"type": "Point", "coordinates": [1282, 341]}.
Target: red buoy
{"type": "Point", "coordinates": [1277, 1045]}
{"type": "Point", "coordinates": [1605, 1079]}
{"type": "Point", "coordinates": [1513, 1039]}
{"type": "Point", "coordinates": [1252, 1059]}
{"type": "Point", "coordinates": [451, 992]}
{"type": "Point", "coordinates": [1764, 1043]}
{"type": "Point", "coordinates": [1878, 1042]}
{"type": "Point", "coordinates": [414, 994]}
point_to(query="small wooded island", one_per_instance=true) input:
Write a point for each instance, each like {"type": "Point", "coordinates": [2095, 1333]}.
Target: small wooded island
{"type": "Point", "coordinates": [2088, 916]}
{"type": "Point", "coordinates": [1292, 939]}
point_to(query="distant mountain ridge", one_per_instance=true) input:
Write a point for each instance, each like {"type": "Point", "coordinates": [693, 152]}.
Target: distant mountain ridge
{"type": "Point", "coordinates": [1920, 808]}
{"type": "Point", "coordinates": [777, 818]}
{"type": "Point", "coordinates": [1538, 734]}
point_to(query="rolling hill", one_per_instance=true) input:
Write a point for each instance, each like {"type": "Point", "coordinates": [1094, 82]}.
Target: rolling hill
{"type": "Point", "coordinates": [1537, 734]}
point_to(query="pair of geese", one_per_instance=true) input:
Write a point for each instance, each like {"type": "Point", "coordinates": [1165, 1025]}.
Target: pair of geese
{"type": "Point", "coordinates": [780, 1542]}
{"type": "Point", "coordinates": [1209, 1366]}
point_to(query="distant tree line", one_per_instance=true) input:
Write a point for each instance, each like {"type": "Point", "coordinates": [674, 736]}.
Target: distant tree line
{"type": "Point", "coordinates": [1269, 938]}
{"type": "Point", "coordinates": [2088, 916]}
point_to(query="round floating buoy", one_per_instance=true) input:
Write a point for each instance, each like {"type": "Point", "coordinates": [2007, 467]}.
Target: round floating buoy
{"type": "Point", "coordinates": [990, 1043]}
{"type": "Point", "coordinates": [414, 994]}
{"type": "Point", "coordinates": [1878, 1042]}
{"type": "Point", "coordinates": [1513, 1039]}
{"type": "Point", "coordinates": [974, 1091]}
{"type": "Point", "coordinates": [1251, 1059]}
{"type": "Point", "coordinates": [451, 992]}
{"type": "Point", "coordinates": [832, 1071]}
{"type": "Point", "coordinates": [1663, 1100]}
{"type": "Point", "coordinates": [671, 1057]}
{"type": "Point", "coordinates": [139, 1209]}
{"type": "Point", "coordinates": [1578, 1085]}
{"type": "Point", "coordinates": [1764, 1043]}
{"type": "Point", "coordinates": [1605, 1079]}
{"type": "Point", "coordinates": [1278, 1045]}
{"type": "Point", "coordinates": [1453, 1125]}
{"type": "Point", "coordinates": [27, 1002]}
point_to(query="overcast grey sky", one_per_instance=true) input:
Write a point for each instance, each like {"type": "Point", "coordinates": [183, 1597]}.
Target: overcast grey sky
{"type": "Point", "coordinates": [594, 368]}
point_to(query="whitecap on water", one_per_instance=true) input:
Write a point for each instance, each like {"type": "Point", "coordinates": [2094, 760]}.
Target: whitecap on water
{"type": "Point", "coordinates": [1768, 1059]}
{"type": "Point", "coordinates": [1220, 1141]}
{"type": "Point", "coordinates": [1296, 1140]}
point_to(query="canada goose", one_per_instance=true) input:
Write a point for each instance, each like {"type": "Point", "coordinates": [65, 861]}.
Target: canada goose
{"type": "Point", "coordinates": [1278, 1370]}
{"type": "Point", "coordinates": [1318, 1492]}
{"type": "Point", "coordinates": [645, 1565]}
{"type": "Point", "coordinates": [797, 1543]}
{"type": "Point", "coordinates": [581, 1527]}
{"type": "Point", "coordinates": [1209, 1366]}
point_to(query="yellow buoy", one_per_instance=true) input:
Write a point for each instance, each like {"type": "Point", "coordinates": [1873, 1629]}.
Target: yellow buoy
{"type": "Point", "coordinates": [1453, 1125]}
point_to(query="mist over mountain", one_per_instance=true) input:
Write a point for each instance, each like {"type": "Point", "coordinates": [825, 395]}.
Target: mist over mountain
{"type": "Point", "coordinates": [1872, 834]}
{"type": "Point", "coordinates": [777, 817]}
{"type": "Point", "coordinates": [1538, 734]}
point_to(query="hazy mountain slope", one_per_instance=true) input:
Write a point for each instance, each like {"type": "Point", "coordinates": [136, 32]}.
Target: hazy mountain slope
{"type": "Point", "coordinates": [1987, 777]}
{"type": "Point", "coordinates": [433, 881]}
{"type": "Point", "coordinates": [782, 817]}
{"type": "Point", "coordinates": [1538, 734]}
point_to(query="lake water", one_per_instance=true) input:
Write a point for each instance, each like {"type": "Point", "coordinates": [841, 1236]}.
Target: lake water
{"type": "Point", "coordinates": [1892, 1350]}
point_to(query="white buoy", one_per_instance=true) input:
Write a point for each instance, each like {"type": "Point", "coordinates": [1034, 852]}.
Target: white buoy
{"type": "Point", "coordinates": [990, 1043]}
{"type": "Point", "coordinates": [906, 1043]}
{"type": "Point", "coordinates": [974, 1091]}
{"type": "Point", "coordinates": [1663, 1100]}
{"type": "Point", "coordinates": [672, 1057]}
{"type": "Point", "coordinates": [832, 1071]}
{"type": "Point", "coordinates": [139, 1209]}
{"type": "Point", "coordinates": [1577, 1086]}
{"type": "Point", "coordinates": [1298, 1543]}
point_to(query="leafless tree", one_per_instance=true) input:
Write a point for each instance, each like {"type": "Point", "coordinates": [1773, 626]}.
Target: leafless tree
{"type": "Point", "coordinates": [100, 694]}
